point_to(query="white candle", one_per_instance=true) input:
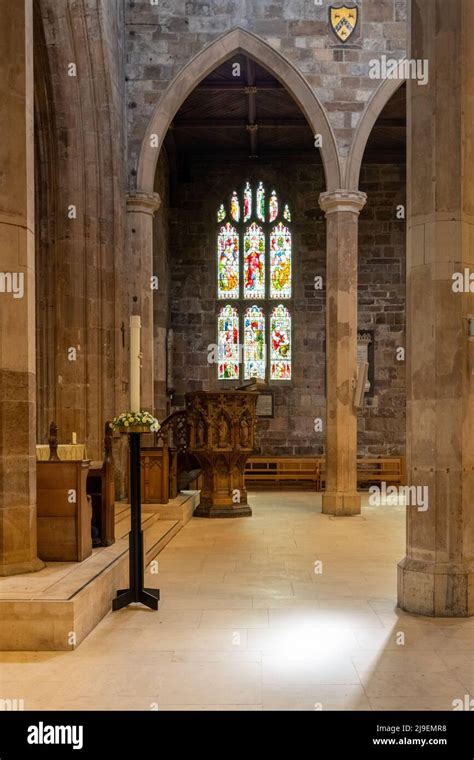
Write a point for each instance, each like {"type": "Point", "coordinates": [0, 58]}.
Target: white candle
{"type": "Point", "coordinates": [74, 439]}
{"type": "Point", "coordinates": [135, 327]}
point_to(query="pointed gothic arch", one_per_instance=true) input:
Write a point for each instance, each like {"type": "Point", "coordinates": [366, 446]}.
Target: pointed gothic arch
{"type": "Point", "coordinates": [375, 106]}
{"type": "Point", "coordinates": [236, 41]}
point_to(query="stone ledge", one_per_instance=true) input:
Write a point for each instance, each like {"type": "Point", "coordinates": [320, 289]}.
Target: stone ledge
{"type": "Point", "coordinates": [40, 611]}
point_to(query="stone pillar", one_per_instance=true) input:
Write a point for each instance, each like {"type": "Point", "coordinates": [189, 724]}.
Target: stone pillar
{"type": "Point", "coordinates": [437, 575]}
{"type": "Point", "coordinates": [17, 293]}
{"type": "Point", "coordinates": [342, 209]}
{"type": "Point", "coordinates": [140, 210]}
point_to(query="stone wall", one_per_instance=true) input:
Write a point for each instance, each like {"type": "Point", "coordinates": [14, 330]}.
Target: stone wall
{"type": "Point", "coordinates": [162, 38]}
{"type": "Point", "coordinates": [381, 277]}
{"type": "Point", "coordinates": [382, 267]}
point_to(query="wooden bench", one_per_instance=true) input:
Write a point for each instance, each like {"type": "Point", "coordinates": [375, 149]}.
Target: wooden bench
{"type": "Point", "coordinates": [261, 471]}
{"type": "Point", "coordinates": [378, 470]}
{"type": "Point", "coordinates": [306, 471]}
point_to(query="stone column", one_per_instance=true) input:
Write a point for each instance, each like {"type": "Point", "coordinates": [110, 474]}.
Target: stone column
{"type": "Point", "coordinates": [17, 293]}
{"type": "Point", "coordinates": [342, 209]}
{"type": "Point", "coordinates": [140, 210]}
{"type": "Point", "coordinates": [437, 575]}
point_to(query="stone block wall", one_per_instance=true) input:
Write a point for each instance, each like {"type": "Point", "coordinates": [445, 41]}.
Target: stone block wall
{"type": "Point", "coordinates": [382, 271]}
{"type": "Point", "coordinates": [160, 39]}
{"type": "Point", "coordinates": [381, 300]}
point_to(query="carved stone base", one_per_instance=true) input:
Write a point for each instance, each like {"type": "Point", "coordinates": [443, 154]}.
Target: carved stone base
{"type": "Point", "coordinates": [237, 510]}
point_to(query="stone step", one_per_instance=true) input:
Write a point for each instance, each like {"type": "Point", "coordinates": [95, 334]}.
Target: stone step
{"type": "Point", "coordinates": [39, 611]}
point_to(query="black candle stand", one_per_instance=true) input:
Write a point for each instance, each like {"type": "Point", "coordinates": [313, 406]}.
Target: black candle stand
{"type": "Point", "coordinates": [136, 593]}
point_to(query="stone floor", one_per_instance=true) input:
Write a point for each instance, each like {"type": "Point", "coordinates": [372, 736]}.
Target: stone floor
{"type": "Point", "coordinates": [248, 622]}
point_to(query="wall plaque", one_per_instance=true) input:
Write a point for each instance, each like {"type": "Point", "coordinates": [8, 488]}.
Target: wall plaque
{"type": "Point", "coordinates": [365, 353]}
{"type": "Point", "coordinates": [265, 405]}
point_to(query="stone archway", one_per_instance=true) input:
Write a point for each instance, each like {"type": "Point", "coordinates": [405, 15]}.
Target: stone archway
{"type": "Point", "coordinates": [238, 40]}
{"type": "Point", "coordinates": [142, 201]}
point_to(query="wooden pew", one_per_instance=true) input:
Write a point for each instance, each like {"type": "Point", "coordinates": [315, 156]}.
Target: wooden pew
{"type": "Point", "coordinates": [309, 472]}
{"type": "Point", "coordinates": [101, 489]}
{"type": "Point", "coordinates": [280, 471]}
{"type": "Point", "coordinates": [374, 470]}
{"type": "Point", "coordinates": [382, 469]}
{"type": "Point", "coordinates": [64, 511]}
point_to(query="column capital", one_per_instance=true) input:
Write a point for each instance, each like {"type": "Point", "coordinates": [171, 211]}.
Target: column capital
{"type": "Point", "coordinates": [342, 200]}
{"type": "Point", "coordinates": [143, 203]}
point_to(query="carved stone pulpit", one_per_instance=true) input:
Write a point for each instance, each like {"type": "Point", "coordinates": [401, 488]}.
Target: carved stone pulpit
{"type": "Point", "coordinates": [222, 437]}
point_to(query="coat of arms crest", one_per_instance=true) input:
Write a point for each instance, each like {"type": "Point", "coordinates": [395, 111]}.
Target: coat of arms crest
{"type": "Point", "coordinates": [343, 20]}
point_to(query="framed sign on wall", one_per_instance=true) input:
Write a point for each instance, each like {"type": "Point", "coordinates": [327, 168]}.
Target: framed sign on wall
{"type": "Point", "coordinates": [265, 405]}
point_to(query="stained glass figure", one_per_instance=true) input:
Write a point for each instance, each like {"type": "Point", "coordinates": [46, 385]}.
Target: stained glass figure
{"type": "Point", "coordinates": [254, 343]}
{"type": "Point", "coordinates": [280, 339]}
{"type": "Point", "coordinates": [273, 206]}
{"type": "Point", "coordinates": [261, 202]}
{"type": "Point", "coordinates": [243, 275]}
{"type": "Point", "coordinates": [228, 262]}
{"type": "Point", "coordinates": [280, 262]}
{"type": "Point", "coordinates": [228, 343]}
{"type": "Point", "coordinates": [235, 207]}
{"type": "Point", "coordinates": [254, 262]}
{"type": "Point", "coordinates": [247, 202]}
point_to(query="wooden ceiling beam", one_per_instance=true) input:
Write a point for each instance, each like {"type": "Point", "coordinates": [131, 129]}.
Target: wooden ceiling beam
{"type": "Point", "coordinates": [370, 156]}
{"type": "Point", "coordinates": [237, 123]}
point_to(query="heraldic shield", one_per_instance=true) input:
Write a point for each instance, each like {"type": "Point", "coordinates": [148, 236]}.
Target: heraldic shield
{"type": "Point", "coordinates": [343, 20]}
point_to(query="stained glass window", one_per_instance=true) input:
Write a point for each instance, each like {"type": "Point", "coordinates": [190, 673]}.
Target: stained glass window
{"type": "Point", "coordinates": [254, 262]}
{"type": "Point", "coordinates": [273, 206]}
{"type": "Point", "coordinates": [254, 343]}
{"type": "Point", "coordinates": [228, 262]}
{"type": "Point", "coordinates": [280, 339]}
{"type": "Point", "coordinates": [280, 262]}
{"type": "Point", "coordinates": [261, 202]}
{"type": "Point", "coordinates": [259, 227]}
{"type": "Point", "coordinates": [228, 343]}
{"type": "Point", "coordinates": [247, 202]}
{"type": "Point", "coordinates": [235, 207]}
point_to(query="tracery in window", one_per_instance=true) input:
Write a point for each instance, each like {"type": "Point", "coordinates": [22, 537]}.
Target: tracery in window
{"type": "Point", "coordinates": [254, 264]}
